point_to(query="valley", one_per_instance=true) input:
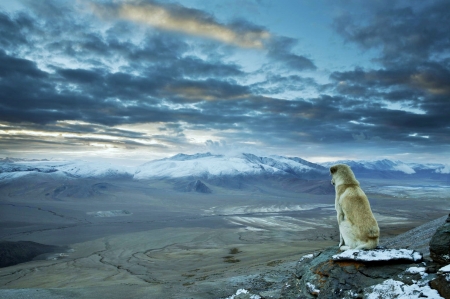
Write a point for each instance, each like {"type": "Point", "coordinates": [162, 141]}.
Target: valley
{"type": "Point", "coordinates": [164, 238]}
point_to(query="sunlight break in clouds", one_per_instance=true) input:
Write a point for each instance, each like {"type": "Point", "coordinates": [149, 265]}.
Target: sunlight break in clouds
{"type": "Point", "coordinates": [177, 18]}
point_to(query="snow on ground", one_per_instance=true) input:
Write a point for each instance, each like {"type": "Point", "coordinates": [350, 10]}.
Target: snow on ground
{"type": "Point", "coordinates": [113, 213]}
{"type": "Point", "coordinates": [432, 191]}
{"type": "Point", "coordinates": [445, 269]}
{"type": "Point", "coordinates": [378, 255]}
{"type": "Point", "coordinates": [396, 289]}
{"type": "Point", "coordinates": [312, 288]}
{"type": "Point", "coordinates": [244, 294]}
{"type": "Point", "coordinates": [276, 222]}
{"type": "Point", "coordinates": [242, 210]}
{"type": "Point", "coordinates": [282, 223]}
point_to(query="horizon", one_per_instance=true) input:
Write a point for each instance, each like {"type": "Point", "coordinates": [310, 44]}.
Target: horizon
{"type": "Point", "coordinates": [138, 162]}
{"type": "Point", "coordinates": [323, 81]}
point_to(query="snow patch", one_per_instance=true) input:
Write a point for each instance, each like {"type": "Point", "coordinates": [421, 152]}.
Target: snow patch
{"type": "Point", "coordinates": [312, 288]}
{"type": "Point", "coordinates": [445, 269]}
{"type": "Point", "coordinates": [243, 210]}
{"type": "Point", "coordinates": [444, 170]}
{"type": "Point", "coordinates": [243, 294]}
{"type": "Point", "coordinates": [391, 289]}
{"type": "Point", "coordinates": [404, 168]}
{"type": "Point", "coordinates": [113, 213]}
{"type": "Point", "coordinates": [307, 256]}
{"type": "Point", "coordinates": [378, 255]}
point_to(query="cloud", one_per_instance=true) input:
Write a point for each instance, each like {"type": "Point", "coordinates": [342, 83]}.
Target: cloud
{"type": "Point", "coordinates": [174, 17]}
{"type": "Point", "coordinates": [280, 49]}
{"type": "Point", "coordinates": [120, 85]}
{"type": "Point", "coordinates": [403, 33]}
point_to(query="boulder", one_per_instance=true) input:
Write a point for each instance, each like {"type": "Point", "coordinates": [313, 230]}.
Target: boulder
{"type": "Point", "coordinates": [359, 274]}
{"type": "Point", "coordinates": [440, 244]}
{"type": "Point", "coordinates": [442, 282]}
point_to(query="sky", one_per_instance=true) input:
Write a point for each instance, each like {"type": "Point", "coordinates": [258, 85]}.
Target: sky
{"type": "Point", "coordinates": [139, 80]}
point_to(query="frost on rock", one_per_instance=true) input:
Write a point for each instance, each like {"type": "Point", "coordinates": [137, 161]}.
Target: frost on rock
{"type": "Point", "coordinates": [445, 269]}
{"type": "Point", "coordinates": [308, 256]}
{"type": "Point", "coordinates": [378, 255]}
{"type": "Point", "coordinates": [312, 288]}
{"type": "Point", "coordinates": [391, 289]}
{"type": "Point", "coordinates": [243, 294]}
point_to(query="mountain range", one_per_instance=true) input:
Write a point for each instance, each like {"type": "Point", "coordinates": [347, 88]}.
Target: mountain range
{"type": "Point", "coordinates": [209, 166]}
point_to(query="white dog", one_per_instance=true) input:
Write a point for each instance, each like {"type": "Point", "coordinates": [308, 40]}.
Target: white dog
{"type": "Point", "coordinates": [358, 227]}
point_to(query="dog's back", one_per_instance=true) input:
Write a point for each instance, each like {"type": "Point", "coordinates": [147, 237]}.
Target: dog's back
{"type": "Point", "coordinates": [357, 225]}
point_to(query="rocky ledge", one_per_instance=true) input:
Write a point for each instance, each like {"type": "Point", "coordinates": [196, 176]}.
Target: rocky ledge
{"type": "Point", "coordinates": [378, 273]}
{"type": "Point", "coordinates": [370, 274]}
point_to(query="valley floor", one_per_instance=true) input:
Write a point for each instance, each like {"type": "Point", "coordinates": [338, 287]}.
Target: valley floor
{"type": "Point", "coordinates": [142, 240]}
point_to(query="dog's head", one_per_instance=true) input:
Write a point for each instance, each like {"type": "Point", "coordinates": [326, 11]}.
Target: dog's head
{"type": "Point", "coordinates": [333, 170]}
{"type": "Point", "coordinates": [342, 174]}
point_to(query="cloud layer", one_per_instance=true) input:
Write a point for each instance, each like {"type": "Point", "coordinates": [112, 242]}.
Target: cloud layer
{"type": "Point", "coordinates": [147, 76]}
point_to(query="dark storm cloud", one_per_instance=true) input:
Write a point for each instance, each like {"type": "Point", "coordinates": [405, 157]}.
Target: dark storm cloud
{"type": "Point", "coordinates": [403, 33]}
{"type": "Point", "coordinates": [105, 79]}
{"type": "Point", "coordinates": [413, 42]}
{"type": "Point", "coordinates": [13, 31]}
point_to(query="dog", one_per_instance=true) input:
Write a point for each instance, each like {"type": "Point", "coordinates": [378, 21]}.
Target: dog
{"type": "Point", "coordinates": [358, 228]}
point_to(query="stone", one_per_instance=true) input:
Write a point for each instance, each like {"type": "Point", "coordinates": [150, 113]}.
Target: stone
{"type": "Point", "coordinates": [198, 186]}
{"type": "Point", "coordinates": [442, 282]}
{"type": "Point", "coordinates": [440, 244]}
{"type": "Point", "coordinates": [334, 274]}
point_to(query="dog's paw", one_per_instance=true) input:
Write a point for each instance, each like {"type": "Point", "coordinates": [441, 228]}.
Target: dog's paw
{"type": "Point", "coordinates": [345, 247]}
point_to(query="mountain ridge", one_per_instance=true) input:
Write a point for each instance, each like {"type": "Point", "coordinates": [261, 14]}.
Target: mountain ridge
{"type": "Point", "coordinates": [209, 166]}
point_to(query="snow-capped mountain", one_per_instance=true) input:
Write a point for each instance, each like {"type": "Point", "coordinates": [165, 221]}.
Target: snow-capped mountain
{"type": "Point", "coordinates": [387, 168]}
{"type": "Point", "coordinates": [10, 169]}
{"type": "Point", "coordinates": [380, 165]}
{"type": "Point", "coordinates": [209, 165]}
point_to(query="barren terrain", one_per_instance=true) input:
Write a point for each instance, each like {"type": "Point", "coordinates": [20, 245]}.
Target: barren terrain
{"type": "Point", "coordinates": [144, 239]}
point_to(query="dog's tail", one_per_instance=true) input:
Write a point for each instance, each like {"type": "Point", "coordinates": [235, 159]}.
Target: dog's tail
{"type": "Point", "coordinates": [373, 232]}
{"type": "Point", "coordinates": [370, 244]}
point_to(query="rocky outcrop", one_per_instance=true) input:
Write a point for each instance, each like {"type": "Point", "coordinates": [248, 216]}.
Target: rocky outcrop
{"type": "Point", "coordinates": [198, 186]}
{"type": "Point", "coordinates": [371, 274]}
{"type": "Point", "coordinates": [360, 274]}
{"type": "Point", "coordinates": [440, 244]}
{"type": "Point", "coordinates": [417, 238]}
{"type": "Point", "coordinates": [440, 253]}
{"type": "Point", "coordinates": [442, 282]}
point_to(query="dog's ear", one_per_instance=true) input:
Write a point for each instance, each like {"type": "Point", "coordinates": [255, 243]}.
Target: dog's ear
{"type": "Point", "coordinates": [333, 169]}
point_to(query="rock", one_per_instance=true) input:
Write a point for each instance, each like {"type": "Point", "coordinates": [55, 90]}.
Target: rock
{"type": "Point", "coordinates": [417, 238]}
{"type": "Point", "coordinates": [358, 274]}
{"type": "Point", "coordinates": [442, 282]}
{"type": "Point", "coordinates": [198, 186]}
{"type": "Point", "coordinates": [440, 244]}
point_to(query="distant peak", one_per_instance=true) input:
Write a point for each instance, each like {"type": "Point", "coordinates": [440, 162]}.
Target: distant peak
{"type": "Point", "coordinates": [184, 157]}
